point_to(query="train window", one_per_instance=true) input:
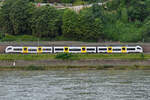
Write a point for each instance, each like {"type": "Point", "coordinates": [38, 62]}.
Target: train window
{"type": "Point", "coordinates": [139, 48]}
{"type": "Point", "coordinates": [123, 48]}
{"type": "Point", "coordinates": [32, 49]}
{"type": "Point", "coordinates": [90, 49]}
{"type": "Point", "coordinates": [47, 49]}
{"type": "Point", "coordinates": [109, 48]}
{"type": "Point", "coordinates": [25, 49]}
{"type": "Point", "coordinates": [130, 48]}
{"type": "Point", "coordinates": [39, 49]}
{"type": "Point", "coordinates": [9, 48]}
{"type": "Point", "coordinates": [66, 49]}
{"type": "Point", "coordinates": [59, 49]}
{"type": "Point", "coordinates": [116, 49]}
{"type": "Point", "coordinates": [74, 49]}
{"type": "Point", "coordinates": [83, 49]}
{"type": "Point", "coordinates": [17, 49]}
{"type": "Point", "coordinates": [102, 48]}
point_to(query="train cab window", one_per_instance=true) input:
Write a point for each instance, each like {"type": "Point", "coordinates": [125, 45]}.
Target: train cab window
{"type": "Point", "coordinates": [139, 48]}
{"type": "Point", "coordinates": [9, 48]}
{"type": "Point", "coordinates": [123, 48]}
{"type": "Point", "coordinates": [83, 49]}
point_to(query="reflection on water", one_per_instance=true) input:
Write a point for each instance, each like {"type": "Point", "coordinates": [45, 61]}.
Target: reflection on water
{"type": "Point", "coordinates": [75, 85]}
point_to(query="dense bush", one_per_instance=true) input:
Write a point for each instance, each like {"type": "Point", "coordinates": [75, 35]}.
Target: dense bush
{"type": "Point", "coordinates": [70, 24]}
{"type": "Point", "coordinates": [15, 16]}
{"type": "Point", "coordinates": [64, 56]}
{"type": "Point", "coordinates": [45, 22]}
{"type": "Point", "coordinates": [117, 20]}
{"type": "Point", "coordinates": [19, 38]}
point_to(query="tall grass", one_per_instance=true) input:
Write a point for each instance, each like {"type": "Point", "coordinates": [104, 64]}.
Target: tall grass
{"type": "Point", "coordinates": [73, 56]}
{"type": "Point", "coordinates": [26, 56]}
{"type": "Point", "coordinates": [22, 38]}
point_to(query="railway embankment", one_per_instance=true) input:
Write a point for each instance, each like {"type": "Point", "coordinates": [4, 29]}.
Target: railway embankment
{"type": "Point", "coordinates": [94, 61]}
{"type": "Point", "coordinates": [79, 64]}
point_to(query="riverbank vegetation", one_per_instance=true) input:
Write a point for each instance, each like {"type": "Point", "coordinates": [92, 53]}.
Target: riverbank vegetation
{"type": "Point", "coordinates": [73, 56]}
{"type": "Point", "coordinates": [116, 20]}
{"type": "Point", "coordinates": [105, 67]}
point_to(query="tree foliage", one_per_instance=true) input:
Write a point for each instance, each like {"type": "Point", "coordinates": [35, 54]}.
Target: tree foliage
{"type": "Point", "coordinates": [15, 16]}
{"type": "Point", "coordinates": [45, 22]}
{"type": "Point", "coordinates": [91, 27]}
{"type": "Point", "coordinates": [117, 20]}
{"type": "Point", "coordinates": [70, 24]}
{"type": "Point", "coordinates": [6, 24]}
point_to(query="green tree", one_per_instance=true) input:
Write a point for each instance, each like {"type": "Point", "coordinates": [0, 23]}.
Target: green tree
{"type": "Point", "coordinates": [146, 30]}
{"type": "Point", "coordinates": [20, 15]}
{"type": "Point", "coordinates": [124, 15]}
{"type": "Point", "coordinates": [5, 20]}
{"type": "Point", "coordinates": [70, 24]}
{"type": "Point", "coordinates": [137, 9]}
{"type": "Point", "coordinates": [97, 11]}
{"type": "Point", "coordinates": [91, 29]}
{"type": "Point", "coordinates": [45, 22]}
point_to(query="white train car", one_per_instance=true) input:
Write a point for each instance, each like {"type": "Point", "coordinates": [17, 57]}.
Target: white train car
{"type": "Point", "coordinates": [134, 49]}
{"type": "Point", "coordinates": [74, 49]}
{"type": "Point", "coordinates": [28, 49]}
{"type": "Point", "coordinates": [11, 49]}
{"type": "Point", "coordinates": [119, 49]}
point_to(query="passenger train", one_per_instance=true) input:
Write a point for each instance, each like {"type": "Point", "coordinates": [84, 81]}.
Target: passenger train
{"type": "Point", "coordinates": [74, 49]}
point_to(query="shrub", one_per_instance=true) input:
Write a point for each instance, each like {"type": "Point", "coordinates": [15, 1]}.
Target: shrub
{"type": "Point", "coordinates": [27, 38]}
{"type": "Point", "coordinates": [9, 38]}
{"type": "Point", "coordinates": [64, 56]}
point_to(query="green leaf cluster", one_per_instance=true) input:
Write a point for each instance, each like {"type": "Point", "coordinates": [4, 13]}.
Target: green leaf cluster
{"type": "Point", "coordinates": [116, 20]}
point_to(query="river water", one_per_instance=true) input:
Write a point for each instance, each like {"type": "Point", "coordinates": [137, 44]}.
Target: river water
{"type": "Point", "coordinates": [75, 85]}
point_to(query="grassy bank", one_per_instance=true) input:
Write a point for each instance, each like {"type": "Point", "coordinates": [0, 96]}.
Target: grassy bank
{"type": "Point", "coordinates": [105, 67]}
{"type": "Point", "coordinates": [73, 56]}
{"type": "Point", "coordinates": [19, 38]}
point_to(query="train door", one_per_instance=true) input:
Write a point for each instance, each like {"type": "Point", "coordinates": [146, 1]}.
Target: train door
{"type": "Point", "coordinates": [83, 50]}
{"type": "Point", "coordinates": [124, 50]}
{"type": "Point", "coordinates": [39, 50]}
{"type": "Point", "coordinates": [109, 50]}
{"type": "Point", "coordinates": [25, 49]}
{"type": "Point", "coordinates": [66, 49]}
